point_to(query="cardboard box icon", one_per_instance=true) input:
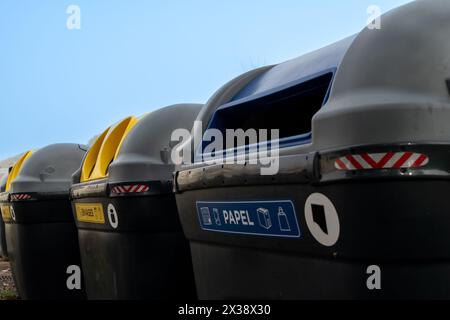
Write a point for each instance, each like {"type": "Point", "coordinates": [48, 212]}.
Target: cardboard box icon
{"type": "Point", "coordinates": [264, 218]}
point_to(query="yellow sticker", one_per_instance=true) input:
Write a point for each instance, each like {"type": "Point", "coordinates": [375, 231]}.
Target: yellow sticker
{"type": "Point", "coordinates": [90, 212]}
{"type": "Point", "coordinates": [6, 213]}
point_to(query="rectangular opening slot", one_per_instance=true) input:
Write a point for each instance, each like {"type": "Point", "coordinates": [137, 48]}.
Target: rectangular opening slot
{"type": "Point", "coordinates": [289, 110]}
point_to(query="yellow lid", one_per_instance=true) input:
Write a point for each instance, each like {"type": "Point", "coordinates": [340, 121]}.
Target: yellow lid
{"type": "Point", "coordinates": [16, 169]}
{"type": "Point", "coordinates": [91, 156]}
{"type": "Point", "coordinates": [105, 150]}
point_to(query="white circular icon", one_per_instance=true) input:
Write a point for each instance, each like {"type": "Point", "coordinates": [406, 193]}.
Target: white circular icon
{"type": "Point", "coordinates": [322, 219]}
{"type": "Point", "coordinates": [13, 214]}
{"type": "Point", "coordinates": [112, 216]}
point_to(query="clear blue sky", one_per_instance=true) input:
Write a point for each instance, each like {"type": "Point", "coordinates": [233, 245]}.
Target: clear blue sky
{"type": "Point", "coordinates": [131, 56]}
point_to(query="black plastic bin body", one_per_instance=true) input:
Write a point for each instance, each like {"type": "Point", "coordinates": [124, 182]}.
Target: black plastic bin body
{"type": "Point", "coordinates": [3, 249]}
{"type": "Point", "coordinates": [358, 207]}
{"type": "Point", "coordinates": [145, 257]}
{"type": "Point", "coordinates": [5, 204]}
{"type": "Point", "coordinates": [131, 241]}
{"type": "Point", "coordinates": [41, 233]}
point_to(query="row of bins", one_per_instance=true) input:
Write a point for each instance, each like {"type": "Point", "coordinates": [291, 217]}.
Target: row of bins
{"type": "Point", "coordinates": [346, 200]}
{"type": "Point", "coordinates": [123, 238]}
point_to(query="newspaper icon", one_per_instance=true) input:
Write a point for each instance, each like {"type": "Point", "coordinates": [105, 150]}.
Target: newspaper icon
{"type": "Point", "coordinates": [206, 216]}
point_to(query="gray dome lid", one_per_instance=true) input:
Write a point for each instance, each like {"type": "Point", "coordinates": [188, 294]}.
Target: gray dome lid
{"type": "Point", "coordinates": [391, 84]}
{"type": "Point", "coordinates": [145, 152]}
{"type": "Point", "coordinates": [269, 79]}
{"type": "Point", "coordinates": [49, 169]}
{"type": "Point", "coordinates": [290, 72]}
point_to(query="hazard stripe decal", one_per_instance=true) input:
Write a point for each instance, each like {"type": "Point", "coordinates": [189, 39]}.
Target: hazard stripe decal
{"type": "Point", "coordinates": [20, 196]}
{"type": "Point", "coordinates": [134, 188]}
{"type": "Point", "coordinates": [386, 160]}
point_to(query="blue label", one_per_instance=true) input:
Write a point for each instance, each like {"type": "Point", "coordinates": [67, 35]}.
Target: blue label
{"type": "Point", "coordinates": [263, 218]}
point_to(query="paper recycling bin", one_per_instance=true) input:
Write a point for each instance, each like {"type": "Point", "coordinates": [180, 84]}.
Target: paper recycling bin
{"type": "Point", "coordinates": [357, 207]}
{"type": "Point", "coordinates": [131, 241]}
{"type": "Point", "coordinates": [3, 250]}
{"type": "Point", "coordinates": [41, 233]}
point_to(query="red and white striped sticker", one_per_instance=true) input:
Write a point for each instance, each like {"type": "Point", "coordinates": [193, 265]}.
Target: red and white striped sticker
{"type": "Point", "coordinates": [133, 188]}
{"type": "Point", "coordinates": [387, 160]}
{"type": "Point", "coordinates": [20, 196]}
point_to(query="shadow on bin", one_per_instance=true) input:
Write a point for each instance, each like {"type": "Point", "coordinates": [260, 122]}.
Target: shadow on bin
{"type": "Point", "coordinates": [131, 241]}
{"type": "Point", "coordinates": [40, 231]}
{"type": "Point", "coordinates": [359, 200]}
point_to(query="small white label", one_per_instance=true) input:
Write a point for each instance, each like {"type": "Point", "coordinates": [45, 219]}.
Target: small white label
{"type": "Point", "coordinates": [13, 214]}
{"type": "Point", "coordinates": [322, 219]}
{"type": "Point", "coordinates": [112, 216]}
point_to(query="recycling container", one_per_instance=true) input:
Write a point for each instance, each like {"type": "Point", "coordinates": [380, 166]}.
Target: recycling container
{"type": "Point", "coordinates": [3, 250]}
{"type": "Point", "coordinates": [5, 205]}
{"type": "Point", "coordinates": [131, 241]}
{"type": "Point", "coordinates": [348, 199]}
{"type": "Point", "coordinates": [40, 232]}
